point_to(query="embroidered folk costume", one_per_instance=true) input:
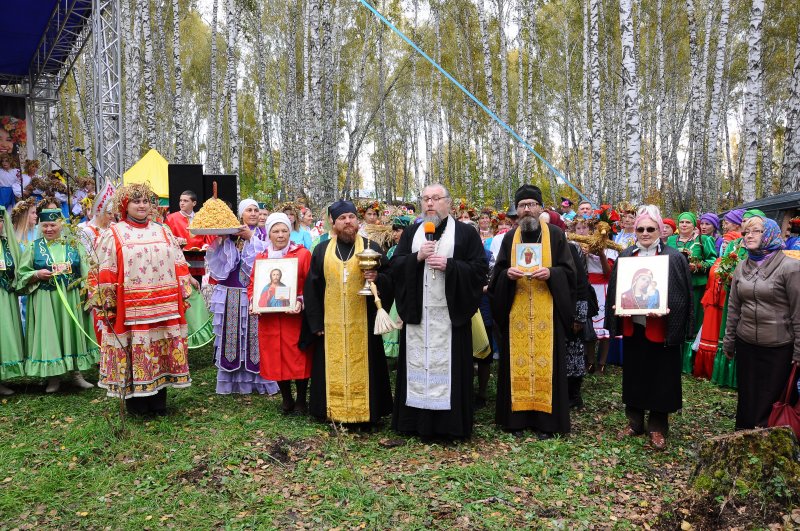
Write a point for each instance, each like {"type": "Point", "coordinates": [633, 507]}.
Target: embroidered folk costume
{"type": "Point", "coordinates": [282, 359]}
{"type": "Point", "coordinates": [55, 343]}
{"type": "Point", "coordinates": [434, 373]}
{"type": "Point", "coordinates": [11, 343]}
{"type": "Point", "coordinates": [143, 283]}
{"type": "Point", "coordinates": [349, 374]}
{"type": "Point", "coordinates": [534, 316]}
{"type": "Point", "coordinates": [230, 264]}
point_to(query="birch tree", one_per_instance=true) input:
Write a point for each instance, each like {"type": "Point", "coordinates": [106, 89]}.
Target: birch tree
{"type": "Point", "coordinates": [212, 155]}
{"type": "Point", "coordinates": [752, 95]}
{"type": "Point", "coordinates": [790, 174]}
{"type": "Point", "coordinates": [178, 78]}
{"type": "Point", "coordinates": [712, 192]}
{"type": "Point", "coordinates": [232, 23]}
{"type": "Point", "coordinates": [631, 93]}
{"type": "Point", "coordinates": [149, 90]}
{"type": "Point", "coordinates": [487, 70]}
{"type": "Point", "coordinates": [594, 93]}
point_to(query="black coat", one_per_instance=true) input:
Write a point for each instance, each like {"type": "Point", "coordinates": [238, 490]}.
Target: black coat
{"type": "Point", "coordinates": [502, 291]}
{"type": "Point", "coordinates": [679, 296]}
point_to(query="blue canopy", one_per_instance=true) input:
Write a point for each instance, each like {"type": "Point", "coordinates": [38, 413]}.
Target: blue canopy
{"type": "Point", "coordinates": [53, 25]}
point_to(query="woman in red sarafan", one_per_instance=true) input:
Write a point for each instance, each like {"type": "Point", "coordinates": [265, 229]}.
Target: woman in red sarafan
{"type": "Point", "coordinates": [282, 360]}
{"type": "Point", "coordinates": [143, 281]}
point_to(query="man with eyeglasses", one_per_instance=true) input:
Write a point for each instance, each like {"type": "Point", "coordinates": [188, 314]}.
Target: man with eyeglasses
{"type": "Point", "coordinates": [533, 310]}
{"type": "Point", "coordinates": [439, 276]}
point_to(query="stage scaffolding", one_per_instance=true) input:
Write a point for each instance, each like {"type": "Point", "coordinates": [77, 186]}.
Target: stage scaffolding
{"type": "Point", "coordinates": [69, 28]}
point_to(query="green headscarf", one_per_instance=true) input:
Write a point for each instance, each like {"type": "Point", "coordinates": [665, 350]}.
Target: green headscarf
{"type": "Point", "coordinates": [50, 214]}
{"type": "Point", "coordinates": [690, 216]}
{"type": "Point", "coordinates": [754, 212]}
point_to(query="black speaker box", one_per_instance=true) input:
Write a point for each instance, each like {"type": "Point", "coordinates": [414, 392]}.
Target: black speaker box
{"type": "Point", "coordinates": [184, 177]}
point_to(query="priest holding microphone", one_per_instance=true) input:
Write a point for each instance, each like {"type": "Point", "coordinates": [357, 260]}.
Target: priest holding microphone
{"type": "Point", "coordinates": [439, 268]}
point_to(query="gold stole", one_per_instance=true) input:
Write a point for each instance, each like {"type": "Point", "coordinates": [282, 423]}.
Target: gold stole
{"type": "Point", "coordinates": [346, 339]}
{"type": "Point", "coordinates": [531, 337]}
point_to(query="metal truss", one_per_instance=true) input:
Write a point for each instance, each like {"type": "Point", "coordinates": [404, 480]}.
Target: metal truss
{"type": "Point", "coordinates": [108, 89]}
{"type": "Point", "coordinates": [65, 36]}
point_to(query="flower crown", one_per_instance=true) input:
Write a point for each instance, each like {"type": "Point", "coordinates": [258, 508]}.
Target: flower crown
{"type": "Point", "coordinates": [15, 128]}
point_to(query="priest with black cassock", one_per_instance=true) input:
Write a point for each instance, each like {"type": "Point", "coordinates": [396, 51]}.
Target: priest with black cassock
{"type": "Point", "coordinates": [439, 277]}
{"type": "Point", "coordinates": [533, 308]}
{"type": "Point", "coordinates": [349, 374]}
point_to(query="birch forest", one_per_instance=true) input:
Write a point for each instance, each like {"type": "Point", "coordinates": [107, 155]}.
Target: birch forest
{"type": "Point", "coordinates": [691, 104]}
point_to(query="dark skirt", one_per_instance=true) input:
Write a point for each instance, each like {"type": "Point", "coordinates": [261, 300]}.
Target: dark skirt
{"type": "Point", "coordinates": [763, 373]}
{"type": "Point", "coordinates": [380, 389]}
{"type": "Point", "coordinates": [453, 423]}
{"type": "Point", "coordinates": [555, 422]}
{"type": "Point", "coordinates": [651, 374]}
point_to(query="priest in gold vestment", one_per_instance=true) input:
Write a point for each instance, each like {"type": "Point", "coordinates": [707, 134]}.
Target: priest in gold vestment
{"type": "Point", "coordinates": [533, 307]}
{"type": "Point", "coordinates": [349, 374]}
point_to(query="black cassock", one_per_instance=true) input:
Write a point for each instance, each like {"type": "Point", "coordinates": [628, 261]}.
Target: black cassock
{"type": "Point", "coordinates": [562, 284]}
{"type": "Point", "coordinates": [380, 389]}
{"type": "Point", "coordinates": [465, 277]}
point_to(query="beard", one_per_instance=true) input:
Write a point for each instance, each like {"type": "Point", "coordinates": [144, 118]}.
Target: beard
{"type": "Point", "coordinates": [347, 234]}
{"type": "Point", "coordinates": [436, 219]}
{"type": "Point", "coordinates": [529, 224]}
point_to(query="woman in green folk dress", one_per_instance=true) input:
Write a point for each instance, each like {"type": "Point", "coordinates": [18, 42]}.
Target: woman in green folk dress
{"type": "Point", "coordinates": [701, 252]}
{"type": "Point", "coordinates": [56, 345]}
{"type": "Point", "coordinates": [11, 350]}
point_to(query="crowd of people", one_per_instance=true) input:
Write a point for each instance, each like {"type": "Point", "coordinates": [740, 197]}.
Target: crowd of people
{"type": "Point", "coordinates": [131, 290]}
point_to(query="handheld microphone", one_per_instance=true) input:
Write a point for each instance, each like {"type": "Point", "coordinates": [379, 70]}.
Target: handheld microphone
{"type": "Point", "coordinates": [429, 229]}
{"type": "Point", "coordinates": [45, 152]}
{"type": "Point", "coordinates": [78, 150]}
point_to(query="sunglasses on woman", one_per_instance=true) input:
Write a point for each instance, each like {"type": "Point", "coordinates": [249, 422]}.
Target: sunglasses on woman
{"type": "Point", "coordinates": [642, 229]}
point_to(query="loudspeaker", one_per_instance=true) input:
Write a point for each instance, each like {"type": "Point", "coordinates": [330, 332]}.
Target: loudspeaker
{"type": "Point", "coordinates": [184, 177]}
{"type": "Point", "coordinates": [226, 189]}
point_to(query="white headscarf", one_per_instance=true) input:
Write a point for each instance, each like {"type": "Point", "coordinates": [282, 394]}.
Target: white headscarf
{"type": "Point", "coordinates": [277, 217]}
{"type": "Point", "coordinates": [244, 203]}
{"type": "Point", "coordinates": [272, 220]}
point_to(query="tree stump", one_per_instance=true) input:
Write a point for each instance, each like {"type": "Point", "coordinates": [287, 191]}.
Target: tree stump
{"type": "Point", "coordinates": [760, 465]}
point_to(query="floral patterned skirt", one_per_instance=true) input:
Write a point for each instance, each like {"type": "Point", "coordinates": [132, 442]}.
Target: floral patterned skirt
{"type": "Point", "coordinates": [149, 358]}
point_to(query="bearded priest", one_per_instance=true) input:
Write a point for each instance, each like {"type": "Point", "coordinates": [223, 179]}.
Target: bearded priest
{"type": "Point", "coordinates": [439, 269]}
{"type": "Point", "coordinates": [349, 374]}
{"type": "Point", "coordinates": [533, 307]}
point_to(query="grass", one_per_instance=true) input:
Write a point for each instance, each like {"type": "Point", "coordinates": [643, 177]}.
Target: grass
{"type": "Point", "coordinates": [235, 462]}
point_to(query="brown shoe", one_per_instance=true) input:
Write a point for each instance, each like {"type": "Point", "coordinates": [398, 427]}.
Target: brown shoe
{"type": "Point", "coordinates": [657, 440]}
{"type": "Point", "coordinates": [627, 432]}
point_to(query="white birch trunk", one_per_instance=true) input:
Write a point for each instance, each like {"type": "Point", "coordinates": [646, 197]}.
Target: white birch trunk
{"type": "Point", "coordinates": [232, 22]}
{"type": "Point", "coordinates": [494, 152]}
{"type": "Point", "coordinates": [711, 169]}
{"type": "Point", "coordinates": [212, 156]}
{"type": "Point", "coordinates": [631, 94]}
{"type": "Point", "coordinates": [149, 81]}
{"type": "Point", "coordinates": [315, 96]}
{"type": "Point", "coordinates": [178, 94]}
{"type": "Point", "coordinates": [790, 174]}
{"type": "Point", "coordinates": [753, 95]}
{"type": "Point", "coordinates": [594, 76]}
{"type": "Point", "coordinates": [502, 138]}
